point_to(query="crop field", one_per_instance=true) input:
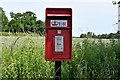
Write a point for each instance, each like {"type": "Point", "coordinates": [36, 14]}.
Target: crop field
{"type": "Point", "coordinates": [24, 57]}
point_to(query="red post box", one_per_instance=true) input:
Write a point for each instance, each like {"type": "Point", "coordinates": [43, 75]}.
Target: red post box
{"type": "Point", "coordinates": [58, 34]}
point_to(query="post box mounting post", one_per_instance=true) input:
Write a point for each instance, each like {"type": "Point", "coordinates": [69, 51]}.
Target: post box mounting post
{"type": "Point", "coordinates": [58, 42]}
{"type": "Point", "coordinates": [57, 70]}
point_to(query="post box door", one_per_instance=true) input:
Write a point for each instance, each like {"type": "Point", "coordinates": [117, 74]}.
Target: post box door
{"type": "Point", "coordinates": [59, 45]}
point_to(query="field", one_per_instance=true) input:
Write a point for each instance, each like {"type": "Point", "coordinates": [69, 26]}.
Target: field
{"type": "Point", "coordinates": [24, 57]}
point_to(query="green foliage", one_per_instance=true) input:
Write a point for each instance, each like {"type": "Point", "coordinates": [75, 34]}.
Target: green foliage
{"type": "Point", "coordinates": [21, 22]}
{"type": "Point", "coordinates": [3, 20]}
{"type": "Point", "coordinates": [25, 22]}
{"type": "Point", "coordinates": [40, 30]}
{"type": "Point", "coordinates": [102, 36]}
{"type": "Point", "coordinates": [25, 61]}
{"type": "Point", "coordinates": [24, 58]}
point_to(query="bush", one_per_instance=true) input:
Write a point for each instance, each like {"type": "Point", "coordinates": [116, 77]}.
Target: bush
{"type": "Point", "coordinates": [91, 59]}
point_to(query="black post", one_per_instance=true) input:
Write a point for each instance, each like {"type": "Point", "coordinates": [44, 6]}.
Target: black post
{"type": "Point", "coordinates": [57, 70]}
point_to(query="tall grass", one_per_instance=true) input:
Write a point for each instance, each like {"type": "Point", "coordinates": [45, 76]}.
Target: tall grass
{"type": "Point", "coordinates": [25, 61]}
{"type": "Point", "coordinates": [91, 59]}
{"type": "Point", "coordinates": [95, 60]}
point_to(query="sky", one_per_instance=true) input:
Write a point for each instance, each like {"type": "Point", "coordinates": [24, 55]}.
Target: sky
{"type": "Point", "coordinates": [98, 16]}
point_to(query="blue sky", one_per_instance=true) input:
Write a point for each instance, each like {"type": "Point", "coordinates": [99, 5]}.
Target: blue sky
{"type": "Point", "coordinates": [96, 16]}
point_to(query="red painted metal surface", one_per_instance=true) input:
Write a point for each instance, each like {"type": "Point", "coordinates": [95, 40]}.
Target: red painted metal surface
{"type": "Point", "coordinates": [61, 15]}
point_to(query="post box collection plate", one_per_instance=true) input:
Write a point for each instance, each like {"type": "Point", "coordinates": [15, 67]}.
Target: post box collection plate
{"type": "Point", "coordinates": [59, 45]}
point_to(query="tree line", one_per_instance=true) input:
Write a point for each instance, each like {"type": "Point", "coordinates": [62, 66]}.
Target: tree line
{"type": "Point", "coordinates": [102, 36]}
{"type": "Point", "coordinates": [21, 22]}
{"type": "Point", "coordinates": [27, 22]}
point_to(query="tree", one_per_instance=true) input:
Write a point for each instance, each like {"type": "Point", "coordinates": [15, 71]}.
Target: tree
{"type": "Point", "coordinates": [22, 22]}
{"type": "Point", "coordinates": [118, 32]}
{"type": "Point", "coordinates": [25, 22]}
{"type": "Point", "coordinates": [15, 24]}
{"type": "Point", "coordinates": [89, 34]}
{"type": "Point", "coordinates": [94, 36]}
{"type": "Point", "coordinates": [3, 20]}
{"type": "Point", "coordinates": [102, 36]}
{"type": "Point", "coordinates": [29, 21]}
{"type": "Point", "coordinates": [83, 36]}
{"type": "Point", "coordinates": [12, 25]}
{"type": "Point", "coordinates": [40, 27]}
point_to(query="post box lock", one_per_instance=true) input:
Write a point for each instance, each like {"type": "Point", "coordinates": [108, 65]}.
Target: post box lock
{"type": "Point", "coordinates": [59, 31]}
